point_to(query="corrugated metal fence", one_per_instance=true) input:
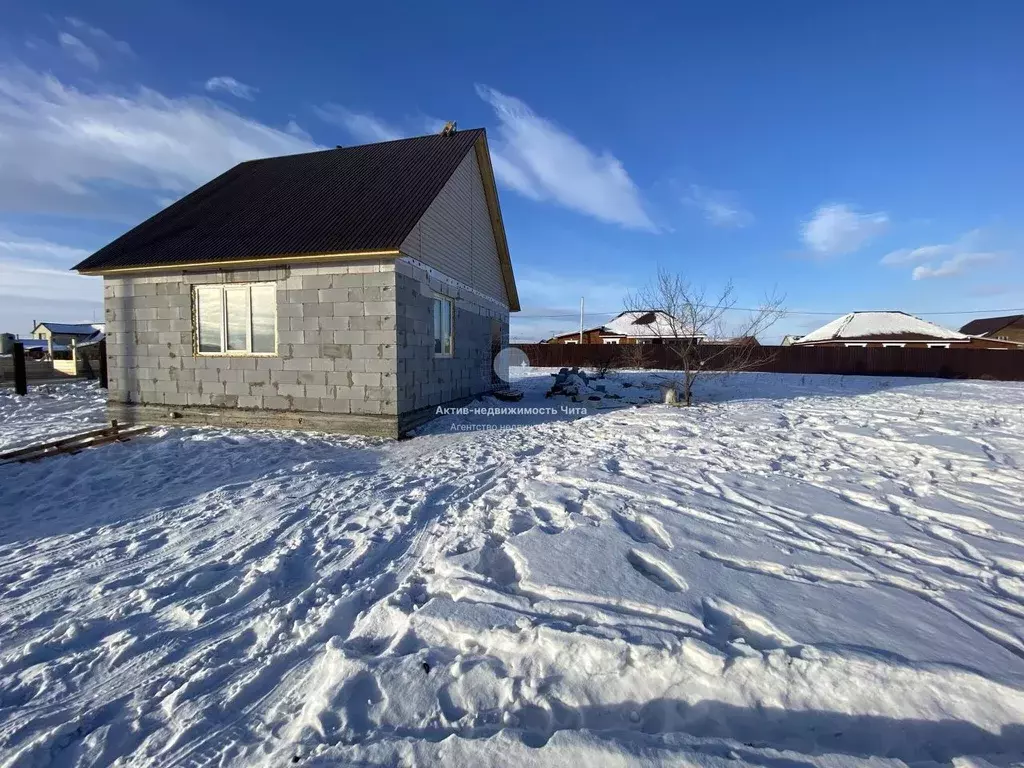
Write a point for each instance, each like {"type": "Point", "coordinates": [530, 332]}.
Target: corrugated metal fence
{"type": "Point", "coordinates": [998, 364]}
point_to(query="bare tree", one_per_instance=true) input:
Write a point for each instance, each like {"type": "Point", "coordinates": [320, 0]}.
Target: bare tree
{"type": "Point", "coordinates": [694, 320]}
{"type": "Point", "coordinates": [634, 355]}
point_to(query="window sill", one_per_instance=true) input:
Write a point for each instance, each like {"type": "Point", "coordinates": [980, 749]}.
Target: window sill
{"type": "Point", "coordinates": [236, 354]}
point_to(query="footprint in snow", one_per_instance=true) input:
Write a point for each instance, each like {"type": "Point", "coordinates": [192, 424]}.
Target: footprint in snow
{"type": "Point", "coordinates": [656, 571]}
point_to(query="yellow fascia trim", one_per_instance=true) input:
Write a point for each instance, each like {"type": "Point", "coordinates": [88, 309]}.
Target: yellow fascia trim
{"type": "Point", "coordinates": [262, 261]}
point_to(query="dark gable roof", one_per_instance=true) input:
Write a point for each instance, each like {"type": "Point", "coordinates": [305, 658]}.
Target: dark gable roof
{"type": "Point", "coordinates": [986, 325]}
{"type": "Point", "coordinates": [81, 329]}
{"type": "Point", "coordinates": [355, 199]}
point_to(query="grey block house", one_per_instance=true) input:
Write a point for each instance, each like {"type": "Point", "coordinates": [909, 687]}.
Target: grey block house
{"type": "Point", "coordinates": [349, 290]}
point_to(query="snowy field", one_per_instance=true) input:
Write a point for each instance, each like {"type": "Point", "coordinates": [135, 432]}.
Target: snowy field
{"type": "Point", "coordinates": [800, 571]}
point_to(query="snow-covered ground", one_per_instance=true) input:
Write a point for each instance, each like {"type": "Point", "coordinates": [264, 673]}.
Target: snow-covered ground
{"type": "Point", "coordinates": [799, 571]}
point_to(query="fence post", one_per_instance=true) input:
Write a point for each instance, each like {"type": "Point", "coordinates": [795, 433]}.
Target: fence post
{"type": "Point", "coordinates": [20, 376]}
{"type": "Point", "coordinates": [103, 363]}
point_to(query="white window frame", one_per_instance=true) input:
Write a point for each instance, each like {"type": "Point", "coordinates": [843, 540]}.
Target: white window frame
{"type": "Point", "coordinates": [861, 344]}
{"type": "Point", "coordinates": [451, 326]}
{"type": "Point", "coordinates": [572, 341]}
{"type": "Point", "coordinates": [939, 346]}
{"type": "Point", "coordinates": [224, 288]}
{"type": "Point", "coordinates": [894, 345]}
{"type": "Point", "coordinates": [610, 341]}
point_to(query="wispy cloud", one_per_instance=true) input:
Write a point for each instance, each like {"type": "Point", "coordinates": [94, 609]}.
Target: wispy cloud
{"type": "Point", "coordinates": [361, 126]}
{"type": "Point", "coordinates": [66, 149]}
{"type": "Point", "coordinates": [836, 229]}
{"type": "Point", "coordinates": [719, 208]}
{"type": "Point", "coordinates": [944, 259]}
{"type": "Point", "coordinates": [228, 84]}
{"type": "Point", "coordinates": [14, 246]}
{"type": "Point", "coordinates": [78, 50]}
{"type": "Point", "coordinates": [954, 266]}
{"type": "Point", "coordinates": [36, 283]}
{"type": "Point", "coordinates": [536, 158]}
{"type": "Point", "coordinates": [99, 36]}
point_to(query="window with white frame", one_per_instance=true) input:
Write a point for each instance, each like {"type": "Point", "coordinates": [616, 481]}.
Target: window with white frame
{"type": "Point", "coordinates": [938, 346]}
{"type": "Point", "coordinates": [852, 344]}
{"type": "Point", "coordinates": [238, 319]}
{"type": "Point", "coordinates": [611, 341]}
{"type": "Point", "coordinates": [892, 345]}
{"type": "Point", "coordinates": [442, 326]}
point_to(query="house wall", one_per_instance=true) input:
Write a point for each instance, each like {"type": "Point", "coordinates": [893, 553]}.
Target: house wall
{"type": "Point", "coordinates": [1012, 332]}
{"type": "Point", "coordinates": [60, 338]}
{"type": "Point", "coordinates": [455, 235]}
{"type": "Point", "coordinates": [479, 329]}
{"type": "Point", "coordinates": [336, 364]}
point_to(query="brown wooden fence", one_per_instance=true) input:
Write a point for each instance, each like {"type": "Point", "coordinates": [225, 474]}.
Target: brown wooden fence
{"type": "Point", "coordinates": [999, 364]}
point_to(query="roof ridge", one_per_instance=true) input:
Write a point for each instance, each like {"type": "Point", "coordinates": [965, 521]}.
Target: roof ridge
{"type": "Point", "coordinates": [842, 326]}
{"type": "Point", "coordinates": [342, 148]}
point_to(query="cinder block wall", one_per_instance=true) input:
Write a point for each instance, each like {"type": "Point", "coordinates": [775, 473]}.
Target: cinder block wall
{"type": "Point", "coordinates": [426, 381]}
{"type": "Point", "coordinates": [336, 364]}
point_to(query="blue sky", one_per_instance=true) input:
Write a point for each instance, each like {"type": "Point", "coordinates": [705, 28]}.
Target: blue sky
{"type": "Point", "coordinates": [850, 155]}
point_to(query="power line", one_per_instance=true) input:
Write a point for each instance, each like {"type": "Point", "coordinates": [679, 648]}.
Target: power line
{"type": "Point", "coordinates": [837, 313]}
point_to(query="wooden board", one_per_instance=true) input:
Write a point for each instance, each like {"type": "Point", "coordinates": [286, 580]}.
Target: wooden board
{"type": "Point", "coordinates": [71, 443]}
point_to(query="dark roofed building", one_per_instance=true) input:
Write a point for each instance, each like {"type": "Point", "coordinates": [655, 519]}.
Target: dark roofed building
{"type": "Point", "coordinates": [1007, 328]}
{"type": "Point", "coordinates": [64, 333]}
{"type": "Point", "coordinates": [350, 290]}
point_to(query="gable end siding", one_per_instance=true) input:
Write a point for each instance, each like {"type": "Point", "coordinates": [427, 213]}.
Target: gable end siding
{"type": "Point", "coordinates": [455, 235]}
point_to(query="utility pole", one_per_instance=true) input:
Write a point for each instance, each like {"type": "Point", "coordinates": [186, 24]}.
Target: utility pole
{"type": "Point", "coordinates": [581, 319]}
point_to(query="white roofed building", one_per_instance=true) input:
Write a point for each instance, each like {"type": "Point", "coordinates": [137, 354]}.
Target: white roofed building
{"type": "Point", "coordinates": [891, 329]}
{"type": "Point", "coordinates": [635, 327]}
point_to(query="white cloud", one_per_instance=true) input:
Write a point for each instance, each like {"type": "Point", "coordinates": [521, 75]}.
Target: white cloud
{"type": "Point", "coordinates": [946, 259]}
{"type": "Point", "coordinates": [78, 50]}
{"type": "Point", "coordinates": [230, 85]}
{"type": "Point", "coordinates": [13, 246]}
{"type": "Point", "coordinates": [923, 253]}
{"type": "Point", "coordinates": [362, 127]}
{"type": "Point", "coordinates": [98, 35]}
{"type": "Point", "coordinates": [836, 229]}
{"type": "Point", "coordinates": [61, 146]}
{"type": "Point", "coordinates": [719, 208]}
{"type": "Point", "coordinates": [954, 266]}
{"type": "Point", "coordinates": [35, 283]}
{"type": "Point", "coordinates": [538, 159]}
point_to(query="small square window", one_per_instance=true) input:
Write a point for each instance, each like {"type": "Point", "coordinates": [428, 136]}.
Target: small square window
{"type": "Point", "coordinates": [442, 326]}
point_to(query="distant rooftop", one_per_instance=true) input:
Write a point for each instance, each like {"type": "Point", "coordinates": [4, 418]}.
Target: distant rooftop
{"type": "Point", "coordinates": [861, 325]}
{"type": "Point", "coordinates": [85, 329]}
{"type": "Point", "coordinates": [986, 325]}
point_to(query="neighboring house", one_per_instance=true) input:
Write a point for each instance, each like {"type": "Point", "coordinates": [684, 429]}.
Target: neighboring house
{"type": "Point", "coordinates": [789, 340]}
{"type": "Point", "coordinates": [891, 329]}
{"type": "Point", "coordinates": [41, 349]}
{"type": "Point", "coordinates": [65, 333]}
{"type": "Point", "coordinates": [1009, 328]}
{"type": "Point", "coordinates": [644, 327]}
{"type": "Point", "coordinates": [347, 290]}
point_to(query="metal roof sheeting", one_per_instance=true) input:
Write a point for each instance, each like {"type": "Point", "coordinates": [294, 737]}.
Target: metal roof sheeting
{"type": "Point", "coordinates": [986, 325]}
{"type": "Point", "coordinates": [355, 199]}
